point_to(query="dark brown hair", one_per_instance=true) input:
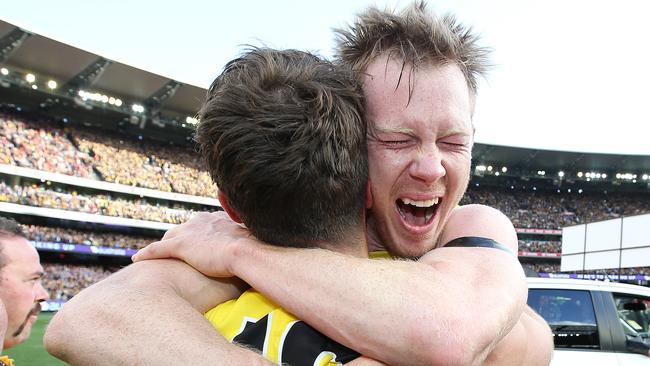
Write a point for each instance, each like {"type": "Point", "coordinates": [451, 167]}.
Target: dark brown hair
{"type": "Point", "coordinates": [284, 138]}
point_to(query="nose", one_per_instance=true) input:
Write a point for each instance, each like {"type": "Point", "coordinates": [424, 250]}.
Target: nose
{"type": "Point", "coordinates": [427, 165]}
{"type": "Point", "coordinates": [40, 293]}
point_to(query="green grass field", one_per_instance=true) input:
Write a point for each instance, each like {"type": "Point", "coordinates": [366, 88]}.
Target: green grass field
{"type": "Point", "coordinates": [31, 352]}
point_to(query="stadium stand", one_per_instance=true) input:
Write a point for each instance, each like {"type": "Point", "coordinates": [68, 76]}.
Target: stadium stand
{"type": "Point", "coordinates": [104, 155]}
{"type": "Point", "coordinates": [87, 237]}
{"type": "Point", "coordinates": [63, 281]}
{"type": "Point", "coordinates": [41, 147]}
{"type": "Point", "coordinates": [155, 174]}
{"type": "Point", "coordinates": [553, 210]}
{"type": "Point", "coordinates": [103, 204]}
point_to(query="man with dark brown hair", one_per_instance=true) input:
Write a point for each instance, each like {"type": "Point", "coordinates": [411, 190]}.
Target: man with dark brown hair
{"type": "Point", "coordinates": [282, 136]}
{"type": "Point", "coordinates": [21, 290]}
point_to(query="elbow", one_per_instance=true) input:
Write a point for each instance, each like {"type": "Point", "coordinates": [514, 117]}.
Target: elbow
{"type": "Point", "coordinates": [455, 354]}
{"type": "Point", "coordinates": [450, 347]}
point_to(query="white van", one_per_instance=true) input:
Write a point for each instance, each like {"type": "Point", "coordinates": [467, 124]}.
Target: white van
{"type": "Point", "coordinates": [594, 323]}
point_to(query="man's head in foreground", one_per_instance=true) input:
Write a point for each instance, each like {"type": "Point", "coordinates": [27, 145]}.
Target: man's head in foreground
{"type": "Point", "coordinates": [283, 136]}
{"type": "Point", "coordinates": [418, 73]}
{"type": "Point", "coordinates": [20, 282]}
{"type": "Point", "coordinates": [3, 322]}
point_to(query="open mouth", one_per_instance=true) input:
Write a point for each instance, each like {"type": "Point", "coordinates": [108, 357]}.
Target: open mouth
{"type": "Point", "coordinates": [417, 213]}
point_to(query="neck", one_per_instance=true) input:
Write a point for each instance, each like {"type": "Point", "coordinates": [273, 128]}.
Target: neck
{"type": "Point", "coordinates": [354, 245]}
{"type": "Point", "coordinates": [374, 243]}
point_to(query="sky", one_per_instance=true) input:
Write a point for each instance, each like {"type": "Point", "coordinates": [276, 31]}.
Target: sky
{"type": "Point", "coordinates": [569, 75]}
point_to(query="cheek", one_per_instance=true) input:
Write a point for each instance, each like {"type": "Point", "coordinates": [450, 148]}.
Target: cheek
{"type": "Point", "coordinates": [457, 169]}
{"type": "Point", "coordinates": [385, 164]}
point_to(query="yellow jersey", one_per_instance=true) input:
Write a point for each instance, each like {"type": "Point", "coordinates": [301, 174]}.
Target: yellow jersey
{"type": "Point", "coordinates": [6, 361]}
{"type": "Point", "coordinates": [257, 322]}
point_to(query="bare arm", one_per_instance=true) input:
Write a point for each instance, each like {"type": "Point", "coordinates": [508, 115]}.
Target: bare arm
{"type": "Point", "coordinates": [138, 316]}
{"type": "Point", "coordinates": [412, 312]}
{"type": "Point", "coordinates": [530, 341]}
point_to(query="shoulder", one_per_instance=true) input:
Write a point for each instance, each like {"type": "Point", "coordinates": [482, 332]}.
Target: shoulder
{"type": "Point", "coordinates": [482, 221]}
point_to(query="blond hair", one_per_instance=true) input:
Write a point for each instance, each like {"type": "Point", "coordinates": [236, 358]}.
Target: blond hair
{"type": "Point", "coordinates": [415, 36]}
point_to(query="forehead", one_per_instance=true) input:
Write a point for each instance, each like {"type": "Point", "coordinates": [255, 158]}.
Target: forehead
{"type": "Point", "coordinates": [19, 255]}
{"type": "Point", "coordinates": [434, 95]}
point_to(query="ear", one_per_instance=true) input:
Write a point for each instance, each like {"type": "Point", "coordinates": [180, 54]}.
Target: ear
{"type": "Point", "coordinates": [368, 195]}
{"type": "Point", "coordinates": [223, 200]}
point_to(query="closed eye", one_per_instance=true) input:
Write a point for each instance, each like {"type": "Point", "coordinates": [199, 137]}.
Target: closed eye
{"type": "Point", "coordinates": [395, 142]}
{"type": "Point", "coordinates": [454, 145]}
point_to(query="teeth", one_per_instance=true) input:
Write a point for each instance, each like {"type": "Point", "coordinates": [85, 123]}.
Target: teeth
{"type": "Point", "coordinates": [427, 203]}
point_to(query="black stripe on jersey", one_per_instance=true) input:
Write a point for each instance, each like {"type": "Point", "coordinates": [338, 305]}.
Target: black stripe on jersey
{"type": "Point", "coordinates": [478, 242]}
{"type": "Point", "coordinates": [253, 334]}
{"type": "Point", "coordinates": [303, 344]}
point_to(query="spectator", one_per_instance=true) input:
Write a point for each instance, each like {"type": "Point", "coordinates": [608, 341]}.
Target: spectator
{"type": "Point", "coordinates": [21, 290]}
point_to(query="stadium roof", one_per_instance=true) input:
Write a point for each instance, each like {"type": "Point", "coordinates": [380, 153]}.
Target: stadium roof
{"type": "Point", "coordinates": [61, 62]}
{"type": "Point", "coordinates": [35, 53]}
{"type": "Point", "coordinates": [534, 159]}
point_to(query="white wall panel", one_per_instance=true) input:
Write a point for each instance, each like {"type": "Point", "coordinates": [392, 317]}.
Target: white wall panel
{"type": "Point", "coordinates": [636, 231]}
{"type": "Point", "coordinates": [639, 257]}
{"type": "Point", "coordinates": [604, 235]}
{"type": "Point", "coordinates": [573, 239]}
{"type": "Point", "coordinates": [571, 262]}
{"type": "Point", "coordinates": [602, 260]}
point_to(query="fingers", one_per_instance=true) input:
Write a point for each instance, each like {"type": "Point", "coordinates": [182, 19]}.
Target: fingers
{"type": "Point", "coordinates": [158, 250]}
{"type": "Point", "coordinates": [197, 219]}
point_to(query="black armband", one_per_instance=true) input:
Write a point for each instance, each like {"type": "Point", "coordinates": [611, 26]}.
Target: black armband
{"type": "Point", "coordinates": [478, 242]}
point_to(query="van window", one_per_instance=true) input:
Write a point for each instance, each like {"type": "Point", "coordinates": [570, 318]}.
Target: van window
{"type": "Point", "coordinates": [570, 313]}
{"type": "Point", "coordinates": [634, 314]}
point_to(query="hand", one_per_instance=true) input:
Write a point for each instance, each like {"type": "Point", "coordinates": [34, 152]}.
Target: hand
{"type": "Point", "coordinates": [205, 242]}
{"type": "Point", "coordinates": [365, 361]}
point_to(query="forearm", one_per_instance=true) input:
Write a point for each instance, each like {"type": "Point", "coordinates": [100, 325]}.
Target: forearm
{"type": "Point", "coordinates": [137, 317]}
{"type": "Point", "coordinates": [399, 312]}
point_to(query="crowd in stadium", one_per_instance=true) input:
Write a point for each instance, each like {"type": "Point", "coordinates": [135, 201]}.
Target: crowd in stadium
{"type": "Point", "coordinates": [539, 246]}
{"type": "Point", "coordinates": [555, 268]}
{"type": "Point", "coordinates": [552, 210]}
{"type": "Point", "coordinates": [40, 196]}
{"type": "Point", "coordinates": [63, 281]}
{"type": "Point", "coordinates": [44, 146]}
{"type": "Point", "coordinates": [86, 237]}
{"type": "Point", "coordinates": [537, 210]}
{"type": "Point", "coordinates": [112, 239]}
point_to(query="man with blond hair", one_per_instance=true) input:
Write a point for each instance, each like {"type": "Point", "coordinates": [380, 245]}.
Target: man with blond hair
{"type": "Point", "coordinates": [419, 76]}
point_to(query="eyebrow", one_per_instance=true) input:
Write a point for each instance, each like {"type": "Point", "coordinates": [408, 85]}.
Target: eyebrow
{"type": "Point", "coordinates": [37, 273]}
{"type": "Point", "coordinates": [407, 131]}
